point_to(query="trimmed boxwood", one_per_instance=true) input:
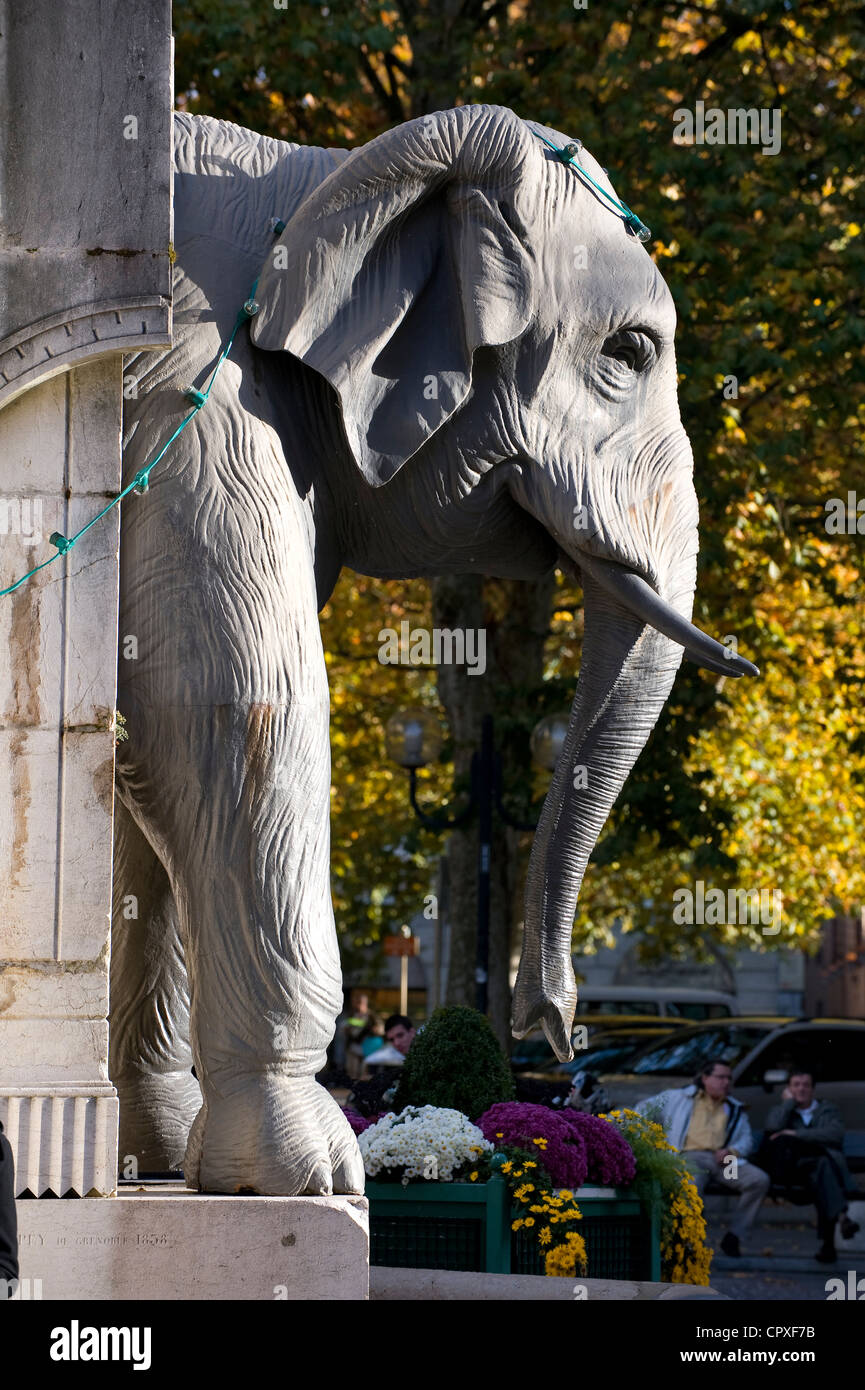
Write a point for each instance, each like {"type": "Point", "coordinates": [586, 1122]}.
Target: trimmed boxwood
{"type": "Point", "coordinates": [455, 1062]}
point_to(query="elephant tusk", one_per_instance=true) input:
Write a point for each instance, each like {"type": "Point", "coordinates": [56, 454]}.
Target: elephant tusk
{"type": "Point", "coordinates": [707, 663]}
{"type": "Point", "coordinates": [642, 600]}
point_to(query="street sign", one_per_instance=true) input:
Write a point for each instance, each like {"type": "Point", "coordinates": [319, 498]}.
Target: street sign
{"type": "Point", "coordinates": [401, 945]}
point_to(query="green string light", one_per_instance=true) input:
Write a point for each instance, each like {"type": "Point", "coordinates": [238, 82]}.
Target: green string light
{"type": "Point", "coordinates": [141, 482]}
{"type": "Point", "coordinates": [568, 155]}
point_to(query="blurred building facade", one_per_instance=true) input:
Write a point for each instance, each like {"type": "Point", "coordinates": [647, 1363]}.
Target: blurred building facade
{"type": "Point", "coordinates": [835, 977]}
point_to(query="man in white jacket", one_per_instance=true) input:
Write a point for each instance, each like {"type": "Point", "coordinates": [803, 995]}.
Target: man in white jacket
{"type": "Point", "coordinates": [711, 1131]}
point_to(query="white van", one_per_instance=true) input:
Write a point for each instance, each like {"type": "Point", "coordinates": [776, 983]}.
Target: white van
{"type": "Point", "coordinates": [693, 1004]}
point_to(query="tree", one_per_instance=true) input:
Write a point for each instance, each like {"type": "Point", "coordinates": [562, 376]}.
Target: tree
{"type": "Point", "coordinates": [760, 785]}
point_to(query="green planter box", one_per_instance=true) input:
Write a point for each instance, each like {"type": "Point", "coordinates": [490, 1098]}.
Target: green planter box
{"type": "Point", "coordinates": [440, 1225]}
{"type": "Point", "coordinates": [622, 1237]}
{"type": "Point", "coordinates": [467, 1225]}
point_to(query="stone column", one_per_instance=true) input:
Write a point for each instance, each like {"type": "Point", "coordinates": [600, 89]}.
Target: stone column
{"type": "Point", "coordinates": [60, 444]}
{"type": "Point", "coordinates": [85, 274]}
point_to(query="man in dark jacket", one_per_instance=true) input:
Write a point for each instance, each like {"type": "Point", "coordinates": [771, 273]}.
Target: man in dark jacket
{"type": "Point", "coordinates": [803, 1143]}
{"type": "Point", "coordinates": [8, 1215]}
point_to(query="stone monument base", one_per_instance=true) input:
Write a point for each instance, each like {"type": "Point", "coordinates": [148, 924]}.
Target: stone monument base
{"type": "Point", "coordinates": [165, 1242]}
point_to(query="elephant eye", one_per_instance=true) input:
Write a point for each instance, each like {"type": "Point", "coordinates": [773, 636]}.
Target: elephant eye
{"type": "Point", "coordinates": [632, 347]}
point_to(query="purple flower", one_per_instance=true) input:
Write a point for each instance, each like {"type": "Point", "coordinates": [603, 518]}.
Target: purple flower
{"type": "Point", "coordinates": [611, 1160]}
{"type": "Point", "coordinates": [358, 1122]}
{"type": "Point", "coordinates": [556, 1143]}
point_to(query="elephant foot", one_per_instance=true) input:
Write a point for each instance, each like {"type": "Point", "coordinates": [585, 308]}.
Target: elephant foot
{"type": "Point", "coordinates": [273, 1135]}
{"type": "Point", "coordinates": [157, 1110]}
{"type": "Point", "coordinates": [537, 1001]}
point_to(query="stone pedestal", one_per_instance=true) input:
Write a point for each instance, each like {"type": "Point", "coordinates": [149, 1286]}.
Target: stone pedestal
{"type": "Point", "coordinates": [172, 1244]}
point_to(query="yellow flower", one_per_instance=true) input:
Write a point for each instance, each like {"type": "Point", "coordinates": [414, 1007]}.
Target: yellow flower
{"type": "Point", "coordinates": [473, 1177]}
{"type": "Point", "coordinates": [544, 1236]}
{"type": "Point", "coordinates": [506, 1167]}
{"type": "Point", "coordinates": [562, 1260]}
{"type": "Point", "coordinates": [530, 1163]}
{"type": "Point", "coordinates": [530, 1221]}
{"type": "Point", "coordinates": [515, 1225]}
{"type": "Point", "coordinates": [559, 1261]}
{"type": "Point", "coordinates": [566, 1194]}
{"type": "Point", "coordinates": [500, 1135]}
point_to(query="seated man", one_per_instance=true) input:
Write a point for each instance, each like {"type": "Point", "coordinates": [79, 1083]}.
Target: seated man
{"type": "Point", "coordinates": [803, 1146]}
{"type": "Point", "coordinates": [711, 1131]}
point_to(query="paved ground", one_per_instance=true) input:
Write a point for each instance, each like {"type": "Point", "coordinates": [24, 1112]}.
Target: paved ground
{"type": "Point", "coordinates": [779, 1288]}
{"type": "Point", "coordinates": [778, 1261]}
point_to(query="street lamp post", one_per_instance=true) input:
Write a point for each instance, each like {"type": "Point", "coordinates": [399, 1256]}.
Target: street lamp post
{"type": "Point", "coordinates": [413, 740]}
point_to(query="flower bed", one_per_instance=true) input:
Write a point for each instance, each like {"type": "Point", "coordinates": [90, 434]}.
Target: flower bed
{"type": "Point", "coordinates": [526, 1187]}
{"type": "Point", "coordinates": [442, 1197]}
{"type": "Point", "coordinates": [574, 1148]}
{"type": "Point", "coordinates": [440, 1225]}
{"type": "Point", "coordinates": [685, 1257]}
{"type": "Point", "coordinates": [620, 1234]}
{"type": "Point", "coordinates": [423, 1141]}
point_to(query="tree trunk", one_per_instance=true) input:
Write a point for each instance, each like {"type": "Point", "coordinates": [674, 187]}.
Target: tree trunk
{"type": "Point", "coordinates": [515, 616]}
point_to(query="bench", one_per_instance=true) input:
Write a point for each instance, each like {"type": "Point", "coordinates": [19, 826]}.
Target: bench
{"type": "Point", "coordinates": [853, 1149]}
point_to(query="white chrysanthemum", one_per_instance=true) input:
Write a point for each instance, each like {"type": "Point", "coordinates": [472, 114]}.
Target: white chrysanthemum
{"type": "Point", "coordinates": [410, 1140]}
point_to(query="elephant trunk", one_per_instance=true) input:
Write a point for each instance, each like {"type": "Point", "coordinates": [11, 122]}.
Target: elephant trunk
{"type": "Point", "coordinates": [626, 674]}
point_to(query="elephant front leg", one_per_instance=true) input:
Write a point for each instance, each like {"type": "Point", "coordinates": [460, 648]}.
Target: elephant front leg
{"type": "Point", "coordinates": [251, 837]}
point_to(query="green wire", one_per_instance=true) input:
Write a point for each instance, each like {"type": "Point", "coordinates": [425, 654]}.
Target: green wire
{"type": "Point", "coordinates": [141, 481]}
{"type": "Point", "coordinates": [568, 154]}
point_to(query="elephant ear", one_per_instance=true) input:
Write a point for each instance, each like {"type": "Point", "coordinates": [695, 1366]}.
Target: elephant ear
{"type": "Point", "coordinates": [404, 261]}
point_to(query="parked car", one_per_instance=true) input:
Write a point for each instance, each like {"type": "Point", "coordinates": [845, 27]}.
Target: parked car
{"type": "Point", "coordinates": [760, 1051]}
{"type": "Point", "coordinates": [615, 1048]}
{"type": "Point", "coordinates": [609, 1049]}
{"type": "Point", "coordinates": [693, 1005]}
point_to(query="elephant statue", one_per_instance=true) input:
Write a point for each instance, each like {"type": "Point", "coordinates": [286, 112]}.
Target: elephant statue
{"type": "Point", "coordinates": [459, 359]}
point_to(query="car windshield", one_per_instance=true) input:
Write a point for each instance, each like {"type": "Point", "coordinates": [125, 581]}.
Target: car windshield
{"type": "Point", "coordinates": [611, 1054]}
{"type": "Point", "coordinates": [617, 1006]}
{"type": "Point", "coordinates": [686, 1051]}
{"type": "Point", "coordinates": [697, 1012]}
{"type": "Point", "coordinates": [529, 1051]}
